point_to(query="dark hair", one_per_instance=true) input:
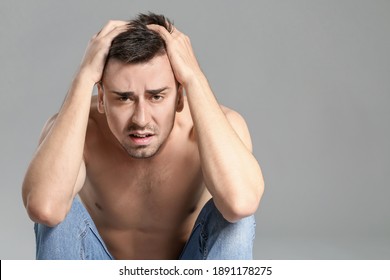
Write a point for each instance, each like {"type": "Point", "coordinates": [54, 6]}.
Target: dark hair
{"type": "Point", "coordinates": [139, 44]}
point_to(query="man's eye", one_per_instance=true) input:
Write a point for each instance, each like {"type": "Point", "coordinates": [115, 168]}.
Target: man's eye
{"type": "Point", "coordinates": [123, 98]}
{"type": "Point", "coordinates": [157, 97]}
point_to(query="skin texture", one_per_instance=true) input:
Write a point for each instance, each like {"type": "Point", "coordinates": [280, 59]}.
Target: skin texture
{"type": "Point", "coordinates": [143, 157]}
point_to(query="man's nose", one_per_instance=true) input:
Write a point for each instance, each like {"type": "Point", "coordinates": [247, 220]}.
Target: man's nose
{"type": "Point", "coordinates": [140, 116]}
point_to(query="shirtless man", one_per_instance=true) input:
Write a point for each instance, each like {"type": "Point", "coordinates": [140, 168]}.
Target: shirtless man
{"type": "Point", "coordinates": [142, 170]}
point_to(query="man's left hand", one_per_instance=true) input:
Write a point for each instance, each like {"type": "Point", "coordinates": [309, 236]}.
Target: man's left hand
{"type": "Point", "coordinates": [181, 56]}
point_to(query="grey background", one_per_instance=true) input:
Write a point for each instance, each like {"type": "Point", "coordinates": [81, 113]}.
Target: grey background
{"type": "Point", "coordinates": [312, 79]}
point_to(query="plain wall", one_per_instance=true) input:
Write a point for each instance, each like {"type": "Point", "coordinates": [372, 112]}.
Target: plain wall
{"type": "Point", "coordinates": [312, 79]}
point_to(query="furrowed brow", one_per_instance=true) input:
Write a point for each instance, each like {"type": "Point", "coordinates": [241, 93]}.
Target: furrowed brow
{"type": "Point", "coordinates": [149, 91]}
{"type": "Point", "coordinates": [156, 91]}
{"type": "Point", "coordinates": [121, 93]}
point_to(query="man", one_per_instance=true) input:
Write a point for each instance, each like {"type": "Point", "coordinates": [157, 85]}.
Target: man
{"type": "Point", "coordinates": [143, 171]}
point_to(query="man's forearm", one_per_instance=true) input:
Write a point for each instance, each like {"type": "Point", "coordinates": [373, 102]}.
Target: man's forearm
{"type": "Point", "coordinates": [231, 172]}
{"type": "Point", "coordinates": [51, 177]}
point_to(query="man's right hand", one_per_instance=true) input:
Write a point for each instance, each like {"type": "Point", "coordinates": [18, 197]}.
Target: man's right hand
{"type": "Point", "coordinates": [96, 53]}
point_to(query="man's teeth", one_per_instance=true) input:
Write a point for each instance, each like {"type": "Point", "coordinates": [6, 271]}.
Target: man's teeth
{"type": "Point", "coordinates": [140, 136]}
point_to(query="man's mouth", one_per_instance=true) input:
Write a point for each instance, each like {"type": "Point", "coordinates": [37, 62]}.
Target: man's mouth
{"type": "Point", "coordinates": [141, 139]}
{"type": "Point", "coordinates": [140, 135]}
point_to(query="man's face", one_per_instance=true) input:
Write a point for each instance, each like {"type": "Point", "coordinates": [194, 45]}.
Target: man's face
{"type": "Point", "coordinates": [140, 102]}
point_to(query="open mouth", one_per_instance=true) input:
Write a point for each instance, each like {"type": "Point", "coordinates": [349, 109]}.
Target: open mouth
{"type": "Point", "coordinates": [141, 139]}
{"type": "Point", "coordinates": [140, 135]}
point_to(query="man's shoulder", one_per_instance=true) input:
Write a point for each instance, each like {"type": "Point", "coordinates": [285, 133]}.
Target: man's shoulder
{"type": "Point", "coordinates": [47, 127]}
{"type": "Point", "coordinates": [227, 110]}
{"type": "Point", "coordinates": [239, 125]}
{"type": "Point", "coordinates": [233, 116]}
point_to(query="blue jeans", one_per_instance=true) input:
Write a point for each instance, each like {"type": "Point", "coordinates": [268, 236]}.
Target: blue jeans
{"type": "Point", "coordinates": [212, 237]}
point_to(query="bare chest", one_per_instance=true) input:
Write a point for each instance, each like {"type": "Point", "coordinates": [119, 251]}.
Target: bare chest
{"type": "Point", "coordinates": [139, 210]}
{"type": "Point", "coordinates": [162, 194]}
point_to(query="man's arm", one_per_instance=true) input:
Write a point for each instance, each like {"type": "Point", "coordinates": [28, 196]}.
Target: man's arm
{"type": "Point", "coordinates": [231, 172]}
{"type": "Point", "coordinates": [57, 170]}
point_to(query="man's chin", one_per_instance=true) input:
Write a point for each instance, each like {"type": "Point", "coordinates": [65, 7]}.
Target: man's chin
{"type": "Point", "coordinates": [142, 156]}
{"type": "Point", "coordinates": [142, 153]}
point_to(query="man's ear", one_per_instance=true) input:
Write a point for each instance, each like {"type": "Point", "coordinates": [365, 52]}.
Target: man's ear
{"type": "Point", "coordinates": [100, 103]}
{"type": "Point", "coordinates": [180, 99]}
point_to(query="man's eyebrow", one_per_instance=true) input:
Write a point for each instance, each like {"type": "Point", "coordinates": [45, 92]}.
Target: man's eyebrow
{"type": "Point", "coordinates": [122, 92]}
{"type": "Point", "coordinates": [150, 91]}
{"type": "Point", "coordinates": [157, 91]}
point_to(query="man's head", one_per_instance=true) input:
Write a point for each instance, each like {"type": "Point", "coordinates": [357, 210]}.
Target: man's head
{"type": "Point", "coordinates": [139, 93]}
{"type": "Point", "coordinates": [139, 44]}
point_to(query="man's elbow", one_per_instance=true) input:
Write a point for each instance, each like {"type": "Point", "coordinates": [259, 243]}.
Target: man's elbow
{"type": "Point", "coordinates": [244, 206]}
{"type": "Point", "coordinates": [45, 213]}
{"type": "Point", "coordinates": [235, 214]}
